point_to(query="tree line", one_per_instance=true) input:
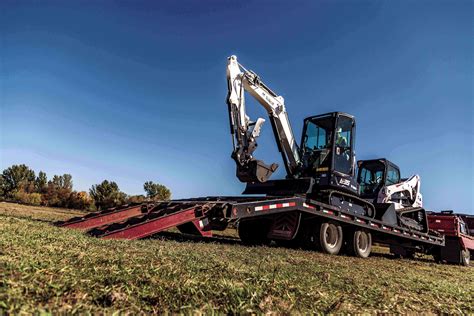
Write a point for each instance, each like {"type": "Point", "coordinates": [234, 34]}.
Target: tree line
{"type": "Point", "coordinates": [19, 183]}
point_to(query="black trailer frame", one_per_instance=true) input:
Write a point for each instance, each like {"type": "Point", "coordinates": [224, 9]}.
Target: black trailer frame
{"type": "Point", "coordinates": [383, 233]}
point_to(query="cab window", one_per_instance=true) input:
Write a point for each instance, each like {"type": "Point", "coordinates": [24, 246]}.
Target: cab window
{"type": "Point", "coordinates": [370, 178]}
{"type": "Point", "coordinates": [393, 176]}
{"type": "Point", "coordinates": [343, 145]}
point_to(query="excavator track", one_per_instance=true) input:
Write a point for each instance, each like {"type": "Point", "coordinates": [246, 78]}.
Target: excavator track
{"type": "Point", "coordinates": [327, 196]}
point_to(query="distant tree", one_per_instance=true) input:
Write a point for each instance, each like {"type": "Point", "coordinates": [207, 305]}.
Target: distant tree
{"type": "Point", "coordinates": [15, 178]}
{"type": "Point", "coordinates": [41, 182]}
{"type": "Point", "coordinates": [58, 191]}
{"type": "Point", "coordinates": [2, 188]}
{"type": "Point", "coordinates": [80, 200]}
{"type": "Point", "coordinates": [156, 191]}
{"type": "Point", "coordinates": [63, 182]}
{"type": "Point", "coordinates": [107, 194]}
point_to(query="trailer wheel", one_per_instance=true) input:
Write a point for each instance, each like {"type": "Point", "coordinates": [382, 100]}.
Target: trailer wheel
{"type": "Point", "coordinates": [253, 233]}
{"type": "Point", "coordinates": [465, 257]}
{"type": "Point", "coordinates": [437, 255]}
{"type": "Point", "coordinates": [360, 244]}
{"type": "Point", "coordinates": [330, 238]}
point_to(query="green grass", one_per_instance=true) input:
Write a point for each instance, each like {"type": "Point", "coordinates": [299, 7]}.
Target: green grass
{"type": "Point", "coordinates": [45, 268]}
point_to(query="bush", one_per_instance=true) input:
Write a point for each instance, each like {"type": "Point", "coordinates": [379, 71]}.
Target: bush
{"type": "Point", "coordinates": [80, 200]}
{"type": "Point", "coordinates": [136, 199]}
{"type": "Point", "coordinates": [27, 198]}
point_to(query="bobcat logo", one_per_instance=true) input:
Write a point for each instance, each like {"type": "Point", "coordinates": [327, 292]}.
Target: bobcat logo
{"type": "Point", "coordinates": [344, 182]}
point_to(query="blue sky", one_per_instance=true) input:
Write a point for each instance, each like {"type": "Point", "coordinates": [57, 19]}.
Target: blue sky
{"type": "Point", "coordinates": [135, 91]}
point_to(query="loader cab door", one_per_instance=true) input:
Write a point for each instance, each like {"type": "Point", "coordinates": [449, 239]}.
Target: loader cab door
{"type": "Point", "coordinates": [393, 175]}
{"type": "Point", "coordinates": [371, 178]}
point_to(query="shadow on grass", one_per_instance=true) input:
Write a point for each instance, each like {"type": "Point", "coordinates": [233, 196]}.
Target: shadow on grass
{"type": "Point", "coordinates": [229, 240]}
{"type": "Point", "coordinates": [180, 237]}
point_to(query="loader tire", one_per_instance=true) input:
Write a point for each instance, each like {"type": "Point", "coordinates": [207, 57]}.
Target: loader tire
{"type": "Point", "coordinates": [330, 237]}
{"type": "Point", "coordinates": [253, 233]}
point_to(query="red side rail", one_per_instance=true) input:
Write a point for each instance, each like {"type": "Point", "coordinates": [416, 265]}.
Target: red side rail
{"type": "Point", "coordinates": [101, 219]}
{"type": "Point", "coordinates": [154, 226]}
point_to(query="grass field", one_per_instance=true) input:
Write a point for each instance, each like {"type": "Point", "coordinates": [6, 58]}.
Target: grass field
{"type": "Point", "coordinates": [45, 268]}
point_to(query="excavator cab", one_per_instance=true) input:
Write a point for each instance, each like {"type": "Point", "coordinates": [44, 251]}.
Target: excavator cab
{"type": "Point", "coordinates": [327, 151]}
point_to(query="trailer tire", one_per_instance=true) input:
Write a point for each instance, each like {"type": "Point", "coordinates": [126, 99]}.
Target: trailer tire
{"type": "Point", "coordinates": [330, 237]}
{"type": "Point", "coordinates": [465, 257]}
{"type": "Point", "coordinates": [253, 233]}
{"type": "Point", "coordinates": [360, 244]}
{"type": "Point", "coordinates": [437, 255]}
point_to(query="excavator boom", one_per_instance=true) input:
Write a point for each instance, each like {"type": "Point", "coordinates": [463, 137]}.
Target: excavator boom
{"type": "Point", "coordinates": [245, 132]}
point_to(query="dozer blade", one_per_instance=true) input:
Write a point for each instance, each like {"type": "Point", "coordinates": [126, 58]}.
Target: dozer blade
{"type": "Point", "coordinates": [108, 216]}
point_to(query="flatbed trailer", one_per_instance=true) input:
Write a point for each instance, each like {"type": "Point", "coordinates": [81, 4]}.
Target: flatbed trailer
{"type": "Point", "coordinates": [282, 219]}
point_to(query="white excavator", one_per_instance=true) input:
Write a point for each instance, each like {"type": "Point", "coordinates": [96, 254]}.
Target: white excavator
{"type": "Point", "coordinates": [323, 166]}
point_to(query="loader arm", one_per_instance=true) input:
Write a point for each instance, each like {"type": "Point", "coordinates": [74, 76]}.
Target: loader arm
{"type": "Point", "coordinates": [245, 132]}
{"type": "Point", "coordinates": [404, 194]}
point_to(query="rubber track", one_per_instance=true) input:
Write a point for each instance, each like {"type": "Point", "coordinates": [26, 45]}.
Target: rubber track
{"type": "Point", "coordinates": [329, 192]}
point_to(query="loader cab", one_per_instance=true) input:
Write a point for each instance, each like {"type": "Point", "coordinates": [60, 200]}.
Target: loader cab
{"type": "Point", "coordinates": [327, 151]}
{"type": "Point", "coordinates": [374, 174]}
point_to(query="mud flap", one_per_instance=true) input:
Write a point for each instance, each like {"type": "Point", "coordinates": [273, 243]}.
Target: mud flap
{"type": "Point", "coordinates": [285, 226]}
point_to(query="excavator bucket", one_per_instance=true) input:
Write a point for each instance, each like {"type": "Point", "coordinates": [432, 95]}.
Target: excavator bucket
{"type": "Point", "coordinates": [255, 171]}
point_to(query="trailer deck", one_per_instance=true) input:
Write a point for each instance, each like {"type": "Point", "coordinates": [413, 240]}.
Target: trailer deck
{"type": "Point", "coordinates": [202, 215]}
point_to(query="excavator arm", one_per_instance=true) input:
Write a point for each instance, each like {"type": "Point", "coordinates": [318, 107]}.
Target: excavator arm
{"type": "Point", "coordinates": [245, 132]}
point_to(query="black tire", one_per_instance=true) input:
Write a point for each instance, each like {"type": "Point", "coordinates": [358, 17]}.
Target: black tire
{"type": "Point", "coordinates": [437, 255]}
{"type": "Point", "coordinates": [465, 257]}
{"type": "Point", "coordinates": [253, 233]}
{"type": "Point", "coordinates": [359, 244]}
{"type": "Point", "coordinates": [410, 255]}
{"type": "Point", "coordinates": [330, 238]}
